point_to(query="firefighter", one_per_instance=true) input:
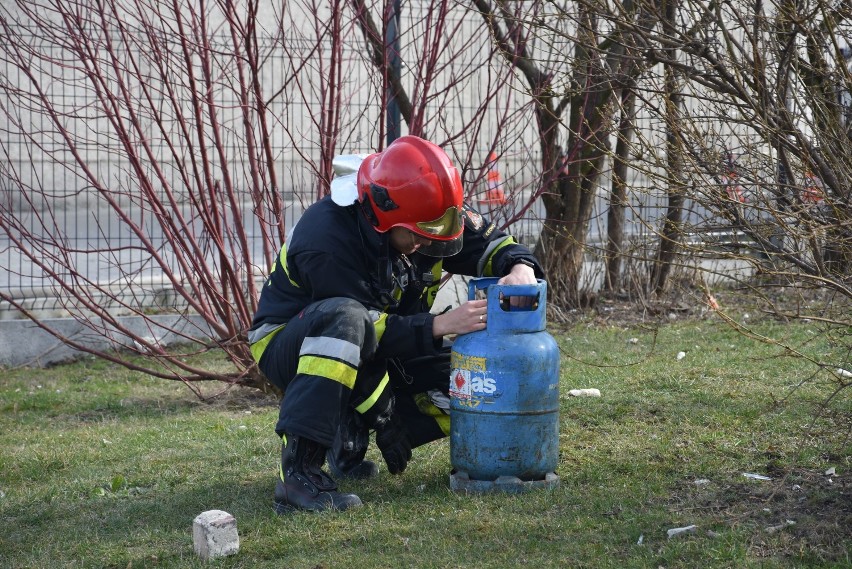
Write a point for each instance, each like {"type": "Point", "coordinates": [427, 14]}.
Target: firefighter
{"type": "Point", "coordinates": [344, 328]}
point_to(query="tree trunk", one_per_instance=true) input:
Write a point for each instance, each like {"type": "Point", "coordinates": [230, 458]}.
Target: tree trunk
{"type": "Point", "coordinates": [618, 196]}
{"type": "Point", "coordinates": [670, 234]}
{"type": "Point", "coordinates": [563, 240]}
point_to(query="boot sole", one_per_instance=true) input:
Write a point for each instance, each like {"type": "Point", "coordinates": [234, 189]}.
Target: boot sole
{"type": "Point", "coordinates": [283, 508]}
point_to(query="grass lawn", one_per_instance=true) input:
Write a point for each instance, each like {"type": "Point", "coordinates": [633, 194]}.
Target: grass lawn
{"type": "Point", "coordinates": [101, 467]}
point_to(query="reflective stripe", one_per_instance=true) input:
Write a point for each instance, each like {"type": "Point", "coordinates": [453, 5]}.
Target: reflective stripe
{"type": "Point", "coordinates": [259, 347]}
{"type": "Point", "coordinates": [425, 406]}
{"type": "Point", "coordinates": [282, 258]}
{"type": "Point", "coordinates": [483, 266]}
{"type": "Point", "coordinates": [282, 262]}
{"type": "Point", "coordinates": [443, 423]}
{"type": "Point", "coordinates": [432, 291]}
{"type": "Point", "coordinates": [259, 333]}
{"type": "Point", "coordinates": [371, 400]}
{"type": "Point", "coordinates": [329, 369]}
{"type": "Point", "coordinates": [380, 321]}
{"type": "Point", "coordinates": [329, 347]}
{"type": "Point", "coordinates": [280, 464]}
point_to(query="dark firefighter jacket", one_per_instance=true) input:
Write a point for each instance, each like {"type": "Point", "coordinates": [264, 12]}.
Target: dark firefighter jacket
{"type": "Point", "coordinates": [335, 252]}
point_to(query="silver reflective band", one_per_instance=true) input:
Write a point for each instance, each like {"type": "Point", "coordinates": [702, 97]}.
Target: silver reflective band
{"type": "Point", "coordinates": [331, 348]}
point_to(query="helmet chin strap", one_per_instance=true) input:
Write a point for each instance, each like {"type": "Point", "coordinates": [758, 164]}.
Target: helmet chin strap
{"type": "Point", "coordinates": [385, 272]}
{"type": "Point", "coordinates": [384, 282]}
{"type": "Point", "coordinates": [367, 210]}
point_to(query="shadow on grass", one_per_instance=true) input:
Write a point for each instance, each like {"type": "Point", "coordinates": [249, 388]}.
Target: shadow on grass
{"type": "Point", "coordinates": [110, 409]}
{"type": "Point", "coordinates": [125, 528]}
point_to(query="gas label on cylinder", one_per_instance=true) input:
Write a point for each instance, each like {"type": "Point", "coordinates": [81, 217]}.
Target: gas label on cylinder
{"type": "Point", "coordinates": [469, 379]}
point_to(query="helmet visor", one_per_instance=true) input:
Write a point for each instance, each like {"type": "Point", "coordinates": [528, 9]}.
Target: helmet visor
{"type": "Point", "coordinates": [444, 233]}
{"type": "Point", "coordinates": [448, 226]}
{"type": "Point", "coordinates": [442, 248]}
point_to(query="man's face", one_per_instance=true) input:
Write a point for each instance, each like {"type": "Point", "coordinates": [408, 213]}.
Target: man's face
{"type": "Point", "coordinates": [406, 241]}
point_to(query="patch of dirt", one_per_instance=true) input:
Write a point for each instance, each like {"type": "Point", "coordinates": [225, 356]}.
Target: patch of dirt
{"type": "Point", "coordinates": [801, 513]}
{"type": "Point", "coordinates": [690, 303]}
{"type": "Point", "coordinates": [615, 312]}
{"type": "Point", "coordinates": [236, 397]}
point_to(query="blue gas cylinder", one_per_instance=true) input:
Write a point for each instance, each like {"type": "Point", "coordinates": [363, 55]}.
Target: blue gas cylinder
{"type": "Point", "coordinates": [504, 395]}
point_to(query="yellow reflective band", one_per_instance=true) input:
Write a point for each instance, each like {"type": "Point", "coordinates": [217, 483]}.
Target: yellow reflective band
{"type": "Point", "coordinates": [444, 424]}
{"type": "Point", "coordinates": [426, 407]}
{"type": "Point", "coordinates": [381, 325]}
{"type": "Point", "coordinates": [282, 262]}
{"type": "Point", "coordinates": [259, 347]}
{"type": "Point", "coordinates": [371, 400]}
{"type": "Point", "coordinates": [432, 291]}
{"type": "Point", "coordinates": [282, 256]}
{"type": "Point", "coordinates": [488, 270]}
{"type": "Point", "coordinates": [329, 369]}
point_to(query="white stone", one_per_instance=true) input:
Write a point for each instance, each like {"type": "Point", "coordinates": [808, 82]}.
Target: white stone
{"type": "Point", "coordinates": [754, 476]}
{"type": "Point", "coordinates": [584, 393]}
{"type": "Point", "coordinates": [674, 532]}
{"type": "Point", "coordinates": [214, 534]}
{"type": "Point", "coordinates": [779, 527]}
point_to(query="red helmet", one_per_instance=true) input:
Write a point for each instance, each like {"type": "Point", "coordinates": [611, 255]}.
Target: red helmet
{"type": "Point", "coordinates": [413, 184]}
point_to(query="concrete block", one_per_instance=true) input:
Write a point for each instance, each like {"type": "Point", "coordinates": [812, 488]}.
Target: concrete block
{"type": "Point", "coordinates": [214, 534]}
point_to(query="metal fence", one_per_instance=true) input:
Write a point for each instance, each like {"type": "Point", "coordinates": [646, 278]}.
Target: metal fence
{"type": "Point", "coordinates": [46, 199]}
{"type": "Point", "coordinates": [49, 206]}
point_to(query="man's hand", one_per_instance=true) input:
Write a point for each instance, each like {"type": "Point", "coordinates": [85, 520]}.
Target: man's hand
{"type": "Point", "coordinates": [520, 275]}
{"type": "Point", "coordinates": [469, 317]}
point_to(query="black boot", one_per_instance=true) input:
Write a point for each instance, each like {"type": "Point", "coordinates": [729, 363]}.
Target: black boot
{"type": "Point", "coordinates": [346, 455]}
{"type": "Point", "coordinates": [301, 482]}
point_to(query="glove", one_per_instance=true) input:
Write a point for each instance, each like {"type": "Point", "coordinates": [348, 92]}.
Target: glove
{"type": "Point", "coordinates": [346, 456]}
{"type": "Point", "coordinates": [392, 440]}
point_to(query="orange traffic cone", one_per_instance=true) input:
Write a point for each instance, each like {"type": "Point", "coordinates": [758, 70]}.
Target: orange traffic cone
{"type": "Point", "coordinates": [732, 188]}
{"type": "Point", "coordinates": [813, 191]}
{"type": "Point", "coordinates": [494, 194]}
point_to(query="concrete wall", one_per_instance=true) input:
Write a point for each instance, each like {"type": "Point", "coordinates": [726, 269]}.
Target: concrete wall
{"type": "Point", "coordinates": [23, 343]}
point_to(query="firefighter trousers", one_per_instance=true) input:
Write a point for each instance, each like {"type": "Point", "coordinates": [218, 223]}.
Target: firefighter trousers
{"type": "Point", "coordinates": [323, 362]}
